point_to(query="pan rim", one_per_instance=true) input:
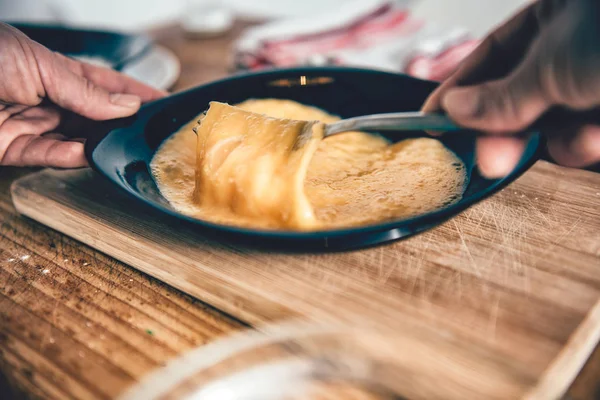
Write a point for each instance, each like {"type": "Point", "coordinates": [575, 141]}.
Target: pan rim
{"type": "Point", "coordinates": [410, 225]}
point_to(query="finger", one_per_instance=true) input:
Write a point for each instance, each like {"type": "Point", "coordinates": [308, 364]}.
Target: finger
{"type": "Point", "coordinates": [578, 147]}
{"type": "Point", "coordinates": [32, 150]}
{"type": "Point", "coordinates": [495, 56]}
{"type": "Point", "coordinates": [498, 156]}
{"type": "Point", "coordinates": [501, 51]}
{"type": "Point", "coordinates": [8, 111]}
{"type": "Point", "coordinates": [60, 136]}
{"type": "Point", "coordinates": [506, 105]}
{"type": "Point", "coordinates": [55, 135]}
{"type": "Point", "coordinates": [33, 121]}
{"type": "Point", "coordinates": [38, 114]}
{"type": "Point", "coordinates": [114, 81]}
{"type": "Point", "coordinates": [76, 93]}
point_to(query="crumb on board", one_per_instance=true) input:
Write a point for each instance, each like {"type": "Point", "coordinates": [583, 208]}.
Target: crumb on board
{"type": "Point", "coordinates": [150, 332]}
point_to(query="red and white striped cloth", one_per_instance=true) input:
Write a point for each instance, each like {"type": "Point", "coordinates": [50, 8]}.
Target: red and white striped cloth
{"type": "Point", "coordinates": [379, 34]}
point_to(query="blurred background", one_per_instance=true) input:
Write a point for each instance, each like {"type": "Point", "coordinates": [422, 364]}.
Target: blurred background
{"type": "Point", "coordinates": [422, 38]}
{"type": "Point", "coordinates": [476, 15]}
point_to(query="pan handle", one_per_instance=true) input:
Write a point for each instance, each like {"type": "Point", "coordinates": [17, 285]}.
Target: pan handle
{"type": "Point", "coordinates": [96, 131]}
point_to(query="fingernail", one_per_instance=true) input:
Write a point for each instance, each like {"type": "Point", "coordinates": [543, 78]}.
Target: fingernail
{"type": "Point", "coordinates": [495, 171]}
{"type": "Point", "coordinates": [462, 103]}
{"type": "Point", "coordinates": [125, 100]}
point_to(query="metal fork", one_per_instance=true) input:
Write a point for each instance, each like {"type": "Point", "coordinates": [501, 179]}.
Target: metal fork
{"type": "Point", "coordinates": [403, 121]}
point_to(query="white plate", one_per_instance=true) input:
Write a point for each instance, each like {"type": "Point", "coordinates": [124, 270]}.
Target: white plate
{"type": "Point", "coordinates": [159, 68]}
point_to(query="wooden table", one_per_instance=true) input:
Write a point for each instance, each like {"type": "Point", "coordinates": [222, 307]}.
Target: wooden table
{"type": "Point", "coordinates": [75, 323]}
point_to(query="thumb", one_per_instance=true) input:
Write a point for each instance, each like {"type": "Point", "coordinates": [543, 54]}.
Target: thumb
{"type": "Point", "coordinates": [80, 95]}
{"type": "Point", "coordinates": [506, 105]}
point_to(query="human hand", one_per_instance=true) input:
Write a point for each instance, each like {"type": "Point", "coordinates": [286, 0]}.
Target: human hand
{"type": "Point", "coordinates": [39, 87]}
{"type": "Point", "coordinates": [546, 56]}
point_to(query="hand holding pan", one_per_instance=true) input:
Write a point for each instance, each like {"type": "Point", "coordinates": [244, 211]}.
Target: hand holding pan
{"type": "Point", "coordinates": [121, 150]}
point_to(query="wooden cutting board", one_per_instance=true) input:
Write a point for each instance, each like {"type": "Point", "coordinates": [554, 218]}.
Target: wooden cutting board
{"type": "Point", "coordinates": [500, 302]}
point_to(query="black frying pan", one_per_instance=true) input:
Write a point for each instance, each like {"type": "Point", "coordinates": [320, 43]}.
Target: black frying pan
{"type": "Point", "coordinates": [121, 150]}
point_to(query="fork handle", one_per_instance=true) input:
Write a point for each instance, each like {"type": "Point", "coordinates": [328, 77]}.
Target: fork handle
{"type": "Point", "coordinates": [406, 121]}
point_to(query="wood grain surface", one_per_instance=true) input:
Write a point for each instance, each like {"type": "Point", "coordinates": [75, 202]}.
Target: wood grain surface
{"type": "Point", "coordinates": [508, 288]}
{"type": "Point", "coordinates": [76, 323]}
{"type": "Point", "coordinates": [91, 326]}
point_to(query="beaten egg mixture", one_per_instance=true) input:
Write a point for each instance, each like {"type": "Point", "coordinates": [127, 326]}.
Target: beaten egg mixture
{"type": "Point", "coordinates": [265, 164]}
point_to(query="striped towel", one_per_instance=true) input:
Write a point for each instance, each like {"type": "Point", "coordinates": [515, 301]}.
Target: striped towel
{"type": "Point", "coordinates": [377, 34]}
